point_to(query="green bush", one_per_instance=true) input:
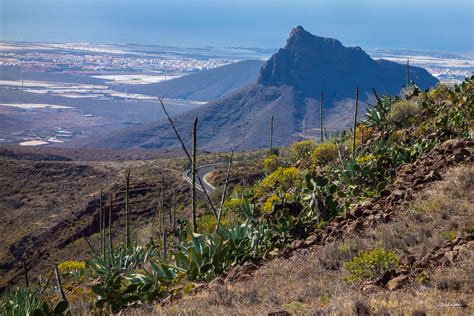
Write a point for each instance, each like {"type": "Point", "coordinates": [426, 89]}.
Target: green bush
{"type": "Point", "coordinates": [404, 114]}
{"type": "Point", "coordinates": [370, 265]}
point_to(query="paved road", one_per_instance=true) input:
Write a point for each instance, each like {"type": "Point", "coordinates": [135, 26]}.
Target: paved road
{"type": "Point", "coordinates": [201, 172]}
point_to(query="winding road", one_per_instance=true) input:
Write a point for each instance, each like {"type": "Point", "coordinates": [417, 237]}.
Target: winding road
{"type": "Point", "coordinates": [201, 172]}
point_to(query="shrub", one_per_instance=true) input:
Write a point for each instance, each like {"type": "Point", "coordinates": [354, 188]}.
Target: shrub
{"type": "Point", "coordinates": [268, 205]}
{"type": "Point", "coordinates": [67, 267]}
{"type": "Point", "coordinates": [363, 133]}
{"type": "Point", "coordinates": [282, 179]}
{"type": "Point", "coordinates": [370, 265]}
{"type": "Point", "coordinates": [232, 203]}
{"type": "Point", "coordinates": [271, 164]}
{"type": "Point", "coordinates": [404, 114]}
{"type": "Point", "coordinates": [207, 221]}
{"type": "Point", "coordinates": [297, 307]}
{"type": "Point", "coordinates": [301, 151]}
{"type": "Point", "coordinates": [449, 235]}
{"type": "Point", "coordinates": [323, 154]}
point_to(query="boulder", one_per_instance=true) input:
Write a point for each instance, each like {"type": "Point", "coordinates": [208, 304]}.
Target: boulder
{"type": "Point", "coordinates": [397, 282]}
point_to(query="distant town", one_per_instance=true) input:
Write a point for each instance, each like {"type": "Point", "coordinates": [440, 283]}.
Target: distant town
{"type": "Point", "coordinates": [57, 92]}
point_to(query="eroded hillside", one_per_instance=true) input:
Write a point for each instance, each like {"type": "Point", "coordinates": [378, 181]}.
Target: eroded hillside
{"type": "Point", "coordinates": [360, 222]}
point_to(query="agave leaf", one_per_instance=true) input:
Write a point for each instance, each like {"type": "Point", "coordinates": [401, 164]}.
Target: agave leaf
{"type": "Point", "coordinates": [99, 290]}
{"type": "Point", "coordinates": [60, 307]}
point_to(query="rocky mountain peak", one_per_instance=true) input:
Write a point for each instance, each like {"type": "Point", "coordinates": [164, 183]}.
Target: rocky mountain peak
{"type": "Point", "coordinates": [308, 61]}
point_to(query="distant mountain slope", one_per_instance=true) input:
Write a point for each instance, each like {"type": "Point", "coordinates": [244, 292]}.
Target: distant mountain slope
{"type": "Point", "coordinates": [205, 85]}
{"type": "Point", "coordinates": [288, 87]}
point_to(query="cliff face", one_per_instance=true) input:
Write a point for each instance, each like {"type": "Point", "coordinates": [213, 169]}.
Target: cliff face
{"type": "Point", "coordinates": [288, 87]}
{"type": "Point", "coordinates": [311, 63]}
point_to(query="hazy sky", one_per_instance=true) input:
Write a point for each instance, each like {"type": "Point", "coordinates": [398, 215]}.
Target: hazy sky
{"type": "Point", "coordinates": [423, 24]}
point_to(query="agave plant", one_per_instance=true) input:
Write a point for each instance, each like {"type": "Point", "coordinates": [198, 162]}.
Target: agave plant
{"type": "Point", "coordinates": [24, 301]}
{"type": "Point", "coordinates": [203, 257]}
{"type": "Point", "coordinates": [21, 301]}
{"type": "Point", "coordinates": [116, 284]}
{"type": "Point", "coordinates": [121, 259]}
{"type": "Point", "coordinates": [207, 256]}
{"type": "Point", "coordinates": [376, 116]}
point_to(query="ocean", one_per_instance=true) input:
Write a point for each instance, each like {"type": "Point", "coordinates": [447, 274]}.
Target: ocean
{"type": "Point", "coordinates": [422, 24]}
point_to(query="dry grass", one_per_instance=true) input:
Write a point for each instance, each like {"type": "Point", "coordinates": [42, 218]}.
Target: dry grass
{"type": "Point", "coordinates": [312, 280]}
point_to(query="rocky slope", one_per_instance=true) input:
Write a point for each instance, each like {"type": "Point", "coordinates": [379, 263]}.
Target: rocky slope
{"type": "Point", "coordinates": [434, 270]}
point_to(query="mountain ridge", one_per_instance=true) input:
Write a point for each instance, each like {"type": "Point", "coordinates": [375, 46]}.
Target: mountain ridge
{"type": "Point", "coordinates": [204, 85]}
{"type": "Point", "coordinates": [288, 87]}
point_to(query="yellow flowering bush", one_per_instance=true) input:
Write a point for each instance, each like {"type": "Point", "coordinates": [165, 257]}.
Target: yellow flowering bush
{"type": "Point", "coordinates": [268, 205]}
{"type": "Point", "coordinates": [323, 154]}
{"type": "Point", "coordinates": [67, 267]}
{"type": "Point", "coordinates": [282, 179]}
{"type": "Point", "coordinates": [271, 164]}
{"type": "Point", "coordinates": [232, 203]}
{"type": "Point", "coordinates": [301, 151]}
{"type": "Point", "coordinates": [366, 158]}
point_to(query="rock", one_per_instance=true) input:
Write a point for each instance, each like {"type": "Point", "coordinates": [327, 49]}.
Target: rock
{"type": "Point", "coordinates": [170, 299]}
{"type": "Point", "coordinates": [357, 212]}
{"type": "Point", "coordinates": [460, 248]}
{"type": "Point", "coordinates": [279, 313]}
{"type": "Point", "coordinates": [216, 282]}
{"type": "Point", "coordinates": [237, 273]}
{"type": "Point", "coordinates": [387, 276]}
{"type": "Point", "coordinates": [451, 256]}
{"type": "Point", "coordinates": [470, 245]}
{"type": "Point", "coordinates": [433, 175]}
{"type": "Point", "coordinates": [367, 205]}
{"type": "Point", "coordinates": [296, 244]}
{"type": "Point", "coordinates": [368, 287]}
{"type": "Point", "coordinates": [311, 240]}
{"type": "Point", "coordinates": [274, 253]}
{"type": "Point", "coordinates": [407, 260]}
{"type": "Point", "coordinates": [452, 144]}
{"type": "Point", "coordinates": [385, 218]}
{"type": "Point", "coordinates": [397, 282]}
{"type": "Point", "coordinates": [355, 226]}
{"type": "Point", "coordinates": [461, 154]}
{"type": "Point", "coordinates": [398, 195]}
{"type": "Point", "coordinates": [198, 287]}
{"type": "Point", "coordinates": [418, 181]}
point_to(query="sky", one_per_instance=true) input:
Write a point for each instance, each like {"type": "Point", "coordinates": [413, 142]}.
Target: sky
{"type": "Point", "coordinates": [417, 24]}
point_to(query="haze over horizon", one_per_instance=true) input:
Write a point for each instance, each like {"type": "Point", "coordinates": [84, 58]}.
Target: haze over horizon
{"type": "Point", "coordinates": [424, 25]}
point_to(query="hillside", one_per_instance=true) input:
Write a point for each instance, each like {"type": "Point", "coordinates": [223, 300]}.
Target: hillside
{"type": "Point", "coordinates": [288, 87]}
{"type": "Point", "coordinates": [359, 224]}
{"type": "Point", "coordinates": [204, 85]}
{"type": "Point", "coordinates": [310, 278]}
